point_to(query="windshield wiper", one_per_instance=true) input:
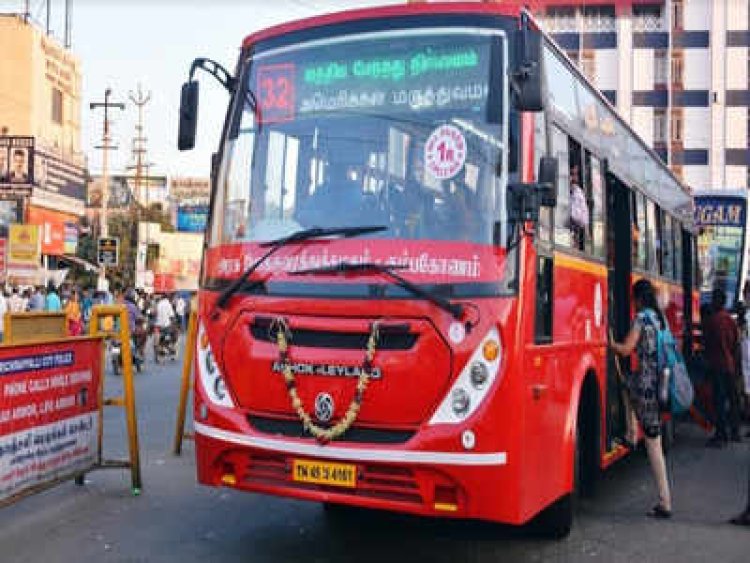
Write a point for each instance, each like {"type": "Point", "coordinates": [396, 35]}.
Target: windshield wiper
{"type": "Point", "coordinates": [299, 236]}
{"type": "Point", "coordinates": [341, 268]}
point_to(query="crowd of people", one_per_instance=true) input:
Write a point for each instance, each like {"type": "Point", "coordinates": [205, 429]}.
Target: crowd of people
{"type": "Point", "coordinates": [154, 310]}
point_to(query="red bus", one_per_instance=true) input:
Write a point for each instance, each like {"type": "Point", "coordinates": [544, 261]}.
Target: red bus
{"type": "Point", "coordinates": [404, 304]}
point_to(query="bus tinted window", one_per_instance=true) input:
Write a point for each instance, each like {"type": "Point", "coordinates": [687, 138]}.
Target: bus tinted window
{"type": "Point", "coordinates": [668, 246]}
{"type": "Point", "coordinates": [639, 232]}
{"type": "Point", "coordinates": [562, 210]}
{"type": "Point", "coordinates": [653, 251]}
{"type": "Point", "coordinates": [540, 149]}
{"type": "Point", "coordinates": [597, 197]}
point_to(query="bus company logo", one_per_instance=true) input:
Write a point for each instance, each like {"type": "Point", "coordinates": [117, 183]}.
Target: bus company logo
{"type": "Point", "coordinates": [324, 407]}
{"type": "Point", "coordinates": [325, 370]}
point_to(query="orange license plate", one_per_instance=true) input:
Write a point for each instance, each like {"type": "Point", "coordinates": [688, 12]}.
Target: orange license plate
{"type": "Point", "coordinates": [324, 473]}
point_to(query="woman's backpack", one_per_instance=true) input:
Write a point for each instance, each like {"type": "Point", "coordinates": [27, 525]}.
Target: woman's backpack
{"type": "Point", "coordinates": [675, 388]}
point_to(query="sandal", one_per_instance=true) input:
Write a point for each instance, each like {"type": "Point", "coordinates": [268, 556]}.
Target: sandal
{"type": "Point", "coordinates": [659, 512]}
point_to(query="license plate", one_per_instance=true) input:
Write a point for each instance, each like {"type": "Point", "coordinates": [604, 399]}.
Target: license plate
{"type": "Point", "coordinates": [324, 473]}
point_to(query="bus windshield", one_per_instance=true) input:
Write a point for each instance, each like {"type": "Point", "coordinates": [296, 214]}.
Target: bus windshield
{"type": "Point", "coordinates": [400, 129]}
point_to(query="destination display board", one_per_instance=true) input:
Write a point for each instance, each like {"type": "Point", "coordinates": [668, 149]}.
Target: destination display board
{"type": "Point", "coordinates": [378, 77]}
{"type": "Point", "coordinates": [719, 211]}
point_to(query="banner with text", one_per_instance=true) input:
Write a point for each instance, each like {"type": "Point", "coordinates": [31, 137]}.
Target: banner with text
{"type": "Point", "coordinates": [48, 412]}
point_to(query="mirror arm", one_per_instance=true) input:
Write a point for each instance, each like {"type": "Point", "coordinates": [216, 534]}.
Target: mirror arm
{"type": "Point", "coordinates": [216, 70]}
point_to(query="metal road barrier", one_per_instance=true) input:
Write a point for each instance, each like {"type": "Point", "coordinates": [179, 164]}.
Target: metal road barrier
{"type": "Point", "coordinates": [101, 325]}
{"type": "Point", "coordinates": [52, 402]}
{"type": "Point", "coordinates": [187, 368]}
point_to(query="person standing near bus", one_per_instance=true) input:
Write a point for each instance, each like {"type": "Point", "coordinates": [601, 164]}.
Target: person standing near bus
{"type": "Point", "coordinates": [644, 383]}
{"type": "Point", "coordinates": [721, 342]}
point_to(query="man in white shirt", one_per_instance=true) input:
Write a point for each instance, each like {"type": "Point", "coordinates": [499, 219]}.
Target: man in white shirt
{"type": "Point", "coordinates": [164, 313]}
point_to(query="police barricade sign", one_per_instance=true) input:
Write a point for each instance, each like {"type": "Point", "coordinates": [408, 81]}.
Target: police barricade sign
{"type": "Point", "coordinates": [49, 413]}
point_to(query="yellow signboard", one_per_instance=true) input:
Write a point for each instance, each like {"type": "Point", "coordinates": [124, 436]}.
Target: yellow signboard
{"type": "Point", "coordinates": [24, 247]}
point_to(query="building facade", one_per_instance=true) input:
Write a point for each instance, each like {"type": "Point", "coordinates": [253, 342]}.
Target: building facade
{"type": "Point", "coordinates": [40, 106]}
{"type": "Point", "coordinates": [677, 70]}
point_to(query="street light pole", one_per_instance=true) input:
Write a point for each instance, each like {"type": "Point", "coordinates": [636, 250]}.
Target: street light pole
{"type": "Point", "coordinates": [105, 146]}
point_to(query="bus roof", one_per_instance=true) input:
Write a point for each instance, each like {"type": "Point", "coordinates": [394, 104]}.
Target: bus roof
{"type": "Point", "coordinates": [507, 8]}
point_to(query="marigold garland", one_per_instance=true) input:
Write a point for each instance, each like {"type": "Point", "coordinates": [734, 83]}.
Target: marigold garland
{"type": "Point", "coordinates": [321, 434]}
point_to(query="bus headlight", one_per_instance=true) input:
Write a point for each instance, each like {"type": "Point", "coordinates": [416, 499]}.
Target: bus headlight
{"type": "Point", "coordinates": [460, 401]}
{"type": "Point", "coordinates": [473, 383]}
{"type": "Point", "coordinates": [209, 374]}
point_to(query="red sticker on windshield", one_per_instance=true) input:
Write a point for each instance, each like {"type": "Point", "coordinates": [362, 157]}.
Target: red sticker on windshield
{"type": "Point", "coordinates": [445, 152]}
{"type": "Point", "coordinates": [275, 90]}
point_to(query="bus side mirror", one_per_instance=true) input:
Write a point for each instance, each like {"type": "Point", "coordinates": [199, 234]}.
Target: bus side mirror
{"type": "Point", "coordinates": [526, 78]}
{"type": "Point", "coordinates": [188, 115]}
{"type": "Point", "coordinates": [547, 181]}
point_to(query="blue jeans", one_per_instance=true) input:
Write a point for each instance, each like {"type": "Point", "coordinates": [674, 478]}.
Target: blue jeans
{"type": "Point", "coordinates": [726, 405]}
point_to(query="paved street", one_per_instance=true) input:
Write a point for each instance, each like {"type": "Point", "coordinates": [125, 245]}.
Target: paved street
{"type": "Point", "coordinates": [176, 520]}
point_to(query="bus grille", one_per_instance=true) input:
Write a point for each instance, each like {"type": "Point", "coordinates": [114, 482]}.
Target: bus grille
{"type": "Point", "coordinates": [373, 481]}
{"type": "Point", "coordinates": [294, 429]}
{"type": "Point", "coordinates": [392, 337]}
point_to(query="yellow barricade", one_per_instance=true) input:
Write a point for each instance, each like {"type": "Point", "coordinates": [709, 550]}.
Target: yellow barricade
{"type": "Point", "coordinates": [104, 316]}
{"type": "Point", "coordinates": [187, 369]}
{"type": "Point", "coordinates": [34, 326]}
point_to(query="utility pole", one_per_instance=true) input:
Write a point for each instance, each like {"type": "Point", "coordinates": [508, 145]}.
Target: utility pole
{"type": "Point", "coordinates": [139, 142]}
{"type": "Point", "coordinates": [106, 147]}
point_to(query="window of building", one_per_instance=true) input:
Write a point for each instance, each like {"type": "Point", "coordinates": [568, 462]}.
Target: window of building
{"type": "Point", "coordinates": [678, 14]}
{"type": "Point", "coordinates": [678, 66]}
{"type": "Point", "coordinates": [57, 106]}
{"type": "Point", "coordinates": [587, 64]}
{"type": "Point", "coordinates": [677, 129]}
{"type": "Point", "coordinates": [660, 126]}
{"type": "Point", "coordinates": [648, 19]}
{"type": "Point", "coordinates": [562, 19]}
{"type": "Point", "coordinates": [599, 18]}
{"type": "Point", "coordinates": [661, 69]}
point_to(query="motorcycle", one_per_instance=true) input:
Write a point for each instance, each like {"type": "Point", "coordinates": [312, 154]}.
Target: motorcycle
{"type": "Point", "coordinates": [165, 343]}
{"type": "Point", "coordinates": [115, 356]}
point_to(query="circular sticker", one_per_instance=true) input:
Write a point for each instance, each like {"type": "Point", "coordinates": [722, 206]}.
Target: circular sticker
{"type": "Point", "coordinates": [457, 332]}
{"type": "Point", "coordinates": [445, 152]}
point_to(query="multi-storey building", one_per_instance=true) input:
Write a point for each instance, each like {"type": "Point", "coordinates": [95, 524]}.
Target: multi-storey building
{"type": "Point", "coordinates": [40, 99]}
{"type": "Point", "coordinates": [677, 70]}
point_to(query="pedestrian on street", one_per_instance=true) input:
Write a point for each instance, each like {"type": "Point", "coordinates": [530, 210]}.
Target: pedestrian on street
{"type": "Point", "coordinates": [721, 342]}
{"type": "Point", "coordinates": [73, 316]}
{"type": "Point", "coordinates": [52, 301]}
{"type": "Point", "coordinates": [15, 302]}
{"type": "Point", "coordinates": [644, 384]}
{"type": "Point", "coordinates": [37, 299]}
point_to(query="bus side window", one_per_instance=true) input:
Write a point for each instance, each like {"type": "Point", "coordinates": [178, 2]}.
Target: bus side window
{"type": "Point", "coordinates": [597, 211]}
{"type": "Point", "coordinates": [562, 209]}
{"type": "Point", "coordinates": [540, 149]}
{"type": "Point", "coordinates": [639, 231]}
{"type": "Point", "coordinates": [668, 245]}
{"type": "Point", "coordinates": [580, 215]}
{"type": "Point", "coordinates": [652, 238]}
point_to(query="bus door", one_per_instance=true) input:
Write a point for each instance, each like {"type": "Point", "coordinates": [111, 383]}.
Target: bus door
{"type": "Point", "coordinates": [619, 266]}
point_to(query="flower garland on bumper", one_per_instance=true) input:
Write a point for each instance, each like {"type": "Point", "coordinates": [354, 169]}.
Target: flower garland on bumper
{"type": "Point", "coordinates": [324, 435]}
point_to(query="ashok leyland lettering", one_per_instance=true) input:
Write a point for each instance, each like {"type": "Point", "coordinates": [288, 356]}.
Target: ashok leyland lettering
{"type": "Point", "coordinates": [393, 311]}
